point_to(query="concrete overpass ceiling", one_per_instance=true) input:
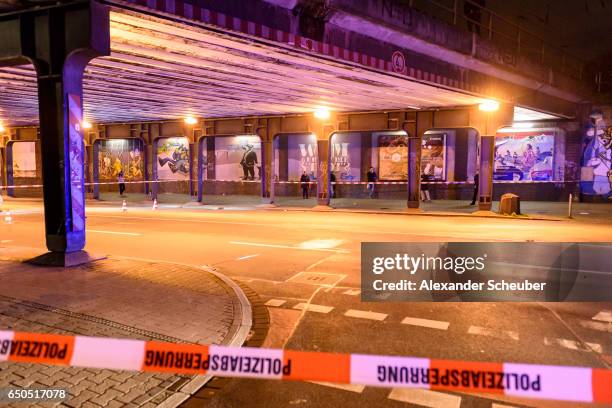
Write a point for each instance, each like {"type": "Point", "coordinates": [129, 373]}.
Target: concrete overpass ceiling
{"type": "Point", "coordinates": [523, 114]}
{"type": "Point", "coordinates": [162, 70]}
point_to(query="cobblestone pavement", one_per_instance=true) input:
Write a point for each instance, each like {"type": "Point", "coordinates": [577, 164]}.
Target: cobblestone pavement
{"type": "Point", "coordinates": [114, 298]}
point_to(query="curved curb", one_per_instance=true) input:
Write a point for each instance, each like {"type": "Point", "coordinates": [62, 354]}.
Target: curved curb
{"type": "Point", "coordinates": [237, 336]}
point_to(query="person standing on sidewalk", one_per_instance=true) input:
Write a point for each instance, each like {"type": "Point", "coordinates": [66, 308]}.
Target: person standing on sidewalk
{"type": "Point", "coordinates": [121, 180]}
{"type": "Point", "coordinates": [372, 177]}
{"type": "Point", "coordinates": [305, 184]}
{"type": "Point", "coordinates": [425, 188]}
{"type": "Point", "coordinates": [332, 182]}
{"type": "Point", "coordinates": [475, 196]}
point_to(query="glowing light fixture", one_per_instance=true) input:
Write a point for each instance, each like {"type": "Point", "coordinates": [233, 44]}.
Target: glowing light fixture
{"type": "Point", "coordinates": [1, 127]}
{"type": "Point", "coordinates": [321, 113]}
{"type": "Point", "coordinates": [489, 106]}
{"type": "Point", "coordinates": [86, 125]}
{"type": "Point", "coordinates": [190, 120]}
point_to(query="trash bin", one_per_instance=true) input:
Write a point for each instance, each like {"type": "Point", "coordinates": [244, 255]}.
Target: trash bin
{"type": "Point", "coordinates": [509, 204]}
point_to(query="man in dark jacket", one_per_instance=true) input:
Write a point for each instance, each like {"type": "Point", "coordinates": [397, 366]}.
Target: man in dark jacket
{"type": "Point", "coordinates": [332, 183]}
{"type": "Point", "coordinates": [475, 196]}
{"type": "Point", "coordinates": [372, 177]}
{"type": "Point", "coordinates": [248, 162]}
{"type": "Point", "coordinates": [305, 184]}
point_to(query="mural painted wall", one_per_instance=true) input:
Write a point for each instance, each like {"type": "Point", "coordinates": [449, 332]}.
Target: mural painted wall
{"type": "Point", "coordinates": [433, 156]}
{"type": "Point", "coordinates": [173, 158]}
{"type": "Point", "coordinates": [524, 156]}
{"type": "Point", "coordinates": [116, 155]}
{"type": "Point", "coordinates": [346, 156]}
{"type": "Point", "coordinates": [596, 171]}
{"type": "Point", "coordinates": [238, 158]}
{"type": "Point", "coordinates": [302, 156]}
{"type": "Point", "coordinates": [24, 159]}
{"type": "Point", "coordinates": [392, 157]}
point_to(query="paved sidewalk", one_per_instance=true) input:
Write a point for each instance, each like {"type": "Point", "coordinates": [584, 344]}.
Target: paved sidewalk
{"type": "Point", "coordinates": [123, 298]}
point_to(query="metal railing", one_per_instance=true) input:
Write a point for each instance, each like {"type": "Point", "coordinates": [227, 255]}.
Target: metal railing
{"type": "Point", "coordinates": [470, 15]}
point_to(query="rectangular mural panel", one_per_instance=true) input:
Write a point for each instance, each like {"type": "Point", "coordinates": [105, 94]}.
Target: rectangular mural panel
{"type": "Point", "coordinates": [173, 158]}
{"type": "Point", "coordinates": [346, 156]}
{"type": "Point", "coordinates": [115, 155]}
{"type": "Point", "coordinates": [433, 156]}
{"type": "Point", "coordinates": [24, 159]}
{"type": "Point", "coordinates": [238, 157]}
{"type": "Point", "coordinates": [393, 157]}
{"type": "Point", "coordinates": [302, 156]}
{"type": "Point", "coordinates": [524, 156]}
{"type": "Point", "coordinates": [596, 171]}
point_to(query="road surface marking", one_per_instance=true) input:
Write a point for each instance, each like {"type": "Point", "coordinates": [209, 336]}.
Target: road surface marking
{"type": "Point", "coordinates": [603, 316]}
{"type": "Point", "coordinates": [6, 241]}
{"type": "Point", "coordinates": [347, 387]}
{"type": "Point", "coordinates": [259, 244]}
{"type": "Point", "coordinates": [319, 262]}
{"type": "Point", "coordinates": [498, 334]}
{"type": "Point", "coordinates": [242, 258]}
{"type": "Point", "coordinates": [361, 314]}
{"type": "Point", "coordinates": [131, 234]}
{"type": "Point", "coordinates": [317, 278]}
{"type": "Point", "coordinates": [275, 302]}
{"type": "Point", "coordinates": [607, 327]}
{"type": "Point", "coordinates": [352, 292]}
{"type": "Point", "coordinates": [496, 405]}
{"type": "Point", "coordinates": [574, 345]}
{"type": "Point", "coordinates": [313, 308]}
{"type": "Point", "coordinates": [426, 398]}
{"type": "Point", "coordinates": [432, 324]}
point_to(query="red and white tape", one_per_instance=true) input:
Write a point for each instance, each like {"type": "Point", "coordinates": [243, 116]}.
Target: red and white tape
{"type": "Point", "coordinates": [563, 383]}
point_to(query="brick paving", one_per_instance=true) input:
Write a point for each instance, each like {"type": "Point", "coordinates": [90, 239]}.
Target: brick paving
{"type": "Point", "coordinates": [113, 298]}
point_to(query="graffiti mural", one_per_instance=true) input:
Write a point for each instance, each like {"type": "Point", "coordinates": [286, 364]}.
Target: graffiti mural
{"type": "Point", "coordinates": [173, 158]}
{"type": "Point", "coordinates": [24, 159]}
{"type": "Point", "coordinates": [596, 171]}
{"type": "Point", "coordinates": [524, 156]}
{"type": "Point", "coordinates": [393, 157]}
{"type": "Point", "coordinates": [433, 156]}
{"type": "Point", "coordinates": [238, 157]}
{"type": "Point", "coordinates": [116, 155]}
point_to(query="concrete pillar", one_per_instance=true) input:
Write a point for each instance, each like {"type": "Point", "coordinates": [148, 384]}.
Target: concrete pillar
{"type": "Point", "coordinates": [323, 185]}
{"type": "Point", "coordinates": [414, 171]}
{"type": "Point", "coordinates": [485, 181]}
{"type": "Point", "coordinates": [267, 171]}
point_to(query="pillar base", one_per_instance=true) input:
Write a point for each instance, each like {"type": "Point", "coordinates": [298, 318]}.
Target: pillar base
{"type": "Point", "coordinates": [485, 206]}
{"type": "Point", "coordinates": [64, 259]}
{"type": "Point", "coordinates": [413, 210]}
{"type": "Point", "coordinates": [413, 204]}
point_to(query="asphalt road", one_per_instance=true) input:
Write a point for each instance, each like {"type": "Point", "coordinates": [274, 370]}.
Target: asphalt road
{"type": "Point", "coordinates": [306, 266]}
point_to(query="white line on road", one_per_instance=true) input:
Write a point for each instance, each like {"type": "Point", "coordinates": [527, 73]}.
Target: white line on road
{"type": "Point", "coordinates": [606, 327]}
{"type": "Point", "coordinates": [259, 244]}
{"type": "Point", "coordinates": [6, 241]}
{"type": "Point", "coordinates": [242, 258]}
{"type": "Point", "coordinates": [603, 316]}
{"type": "Point", "coordinates": [275, 302]}
{"type": "Point", "coordinates": [496, 405]}
{"type": "Point", "coordinates": [361, 314]}
{"type": "Point", "coordinates": [313, 308]}
{"type": "Point", "coordinates": [498, 334]}
{"type": "Point", "coordinates": [346, 387]}
{"type": "Point", "coordinates": [351, 292]}
{"type": "Point", "coordinates": [132, 234]}
{"type": "Point", "coordinates": [574, 345]}
{"type": "Point", "coordinates": [432, 324]}
{"type": "Point", "coordinates": [425, 398]}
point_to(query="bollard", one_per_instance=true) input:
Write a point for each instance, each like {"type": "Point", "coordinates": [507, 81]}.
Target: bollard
{"type": "Point", "coordinates": [7, 217]}
{"type": "Point", "coordinates": [124, 206]}
{"type": "Point", "coordinates": [154, 204]}
{"type": "Point", "coordinates": [569, 206]}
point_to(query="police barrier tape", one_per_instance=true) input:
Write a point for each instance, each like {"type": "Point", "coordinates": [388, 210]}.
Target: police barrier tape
{"type": "Point", "coordinates": [511, 379]}
{"type": "Point", "coordinates": [299, 182]}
